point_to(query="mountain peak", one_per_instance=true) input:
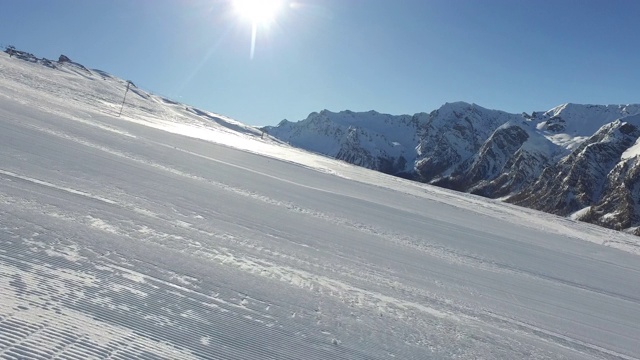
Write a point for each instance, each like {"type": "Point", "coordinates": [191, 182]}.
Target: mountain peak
{"type": "Point", "coordinates": [608, 112]}
{"type": "Point", "coordinates": [456, 106]}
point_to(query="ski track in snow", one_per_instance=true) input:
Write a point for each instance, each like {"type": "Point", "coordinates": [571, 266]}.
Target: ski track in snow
{"type": "Point", "coordinates": [120, 241]}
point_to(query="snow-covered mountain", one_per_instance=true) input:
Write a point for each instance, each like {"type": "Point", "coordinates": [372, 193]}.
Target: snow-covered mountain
{"type": "Point", "coordinates": [617, 207]}
{"type": "Point", "coordinates": [453, 134]}
{"type": "Point", "coordinates": [579, 179]}
{"type": "Point", "coordinates": [512, 157]}
{"type": "Point", "coordinates": [372, 140]}
{"type": "Point", "coordinates": [556, 161]}
{"type": "Point", "coordinates": [568, 125]}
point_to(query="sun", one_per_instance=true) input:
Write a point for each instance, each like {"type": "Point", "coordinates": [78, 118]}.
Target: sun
{"type": "Point", "coordinates": [258, 12]}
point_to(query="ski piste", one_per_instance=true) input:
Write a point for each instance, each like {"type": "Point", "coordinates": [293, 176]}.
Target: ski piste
{"type": "Point", "coordinates": [176, 233]}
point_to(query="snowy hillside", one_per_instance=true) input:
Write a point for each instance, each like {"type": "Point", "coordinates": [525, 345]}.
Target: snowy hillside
{"type": "Point", "coordinates": [465, 147]}
{"type": "Point", "coordinates": [175, 233]}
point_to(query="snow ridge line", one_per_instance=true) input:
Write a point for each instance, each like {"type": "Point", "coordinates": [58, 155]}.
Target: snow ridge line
{"type": "Point", "coordinates": [50, 185]}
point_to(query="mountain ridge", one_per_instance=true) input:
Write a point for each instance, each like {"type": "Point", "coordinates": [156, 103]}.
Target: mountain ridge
{"type": "Point", "coordinates": [561, 161]}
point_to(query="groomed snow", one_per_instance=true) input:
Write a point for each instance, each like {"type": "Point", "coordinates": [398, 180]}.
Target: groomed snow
{"type": "Point", "coordinates": [170, 233]}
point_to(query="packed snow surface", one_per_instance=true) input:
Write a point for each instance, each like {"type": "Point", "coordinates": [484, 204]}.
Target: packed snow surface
{"type": "Point", "coordinates": [174, 233]}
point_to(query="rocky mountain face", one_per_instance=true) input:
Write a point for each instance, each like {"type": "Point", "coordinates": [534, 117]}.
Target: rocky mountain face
{"type": "Point", "coordinates": [452, 135]}
{"type": "Point", "coordinates": [621, 198]}
{"type": "Point", "coordinates": [573, 160]}
{"type": "Point", "coordinates": [376, 141]}
{"type": "Point", "coordinates": [578, 179]}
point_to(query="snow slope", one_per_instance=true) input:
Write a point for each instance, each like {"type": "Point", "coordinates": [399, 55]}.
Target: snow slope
{"type": "Point", "coordinates": [181, 234]}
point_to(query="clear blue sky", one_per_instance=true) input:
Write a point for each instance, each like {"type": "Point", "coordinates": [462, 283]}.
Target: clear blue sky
{"type": "Point", "coordinates": [393, 56]}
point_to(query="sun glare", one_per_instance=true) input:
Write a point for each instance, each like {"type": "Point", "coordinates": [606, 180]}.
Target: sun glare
{"type": "Point", "coordinates": [259, 12]}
